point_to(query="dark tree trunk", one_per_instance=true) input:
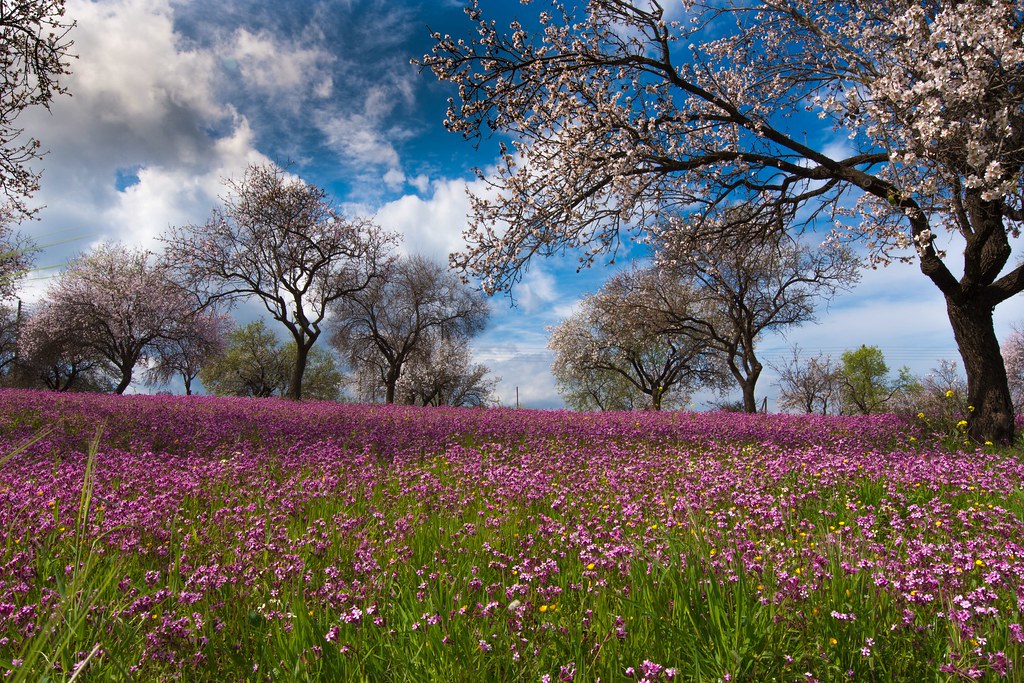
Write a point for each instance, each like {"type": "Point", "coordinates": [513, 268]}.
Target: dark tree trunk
{"type": "Point", "coordinates": [390, 383]}
{"type": "Point", "coordinates": [126, 379]}
{"type": "Point", "coordinates": [298, 370]}
{"type": "Point", "coordinates": [656, 397]}
{"type": "Point", "coordinates": [749, 402]}
{"type": "Point", "coordinates": [987, 391]}
{"type": "Point", "coordinates": [747, 384]}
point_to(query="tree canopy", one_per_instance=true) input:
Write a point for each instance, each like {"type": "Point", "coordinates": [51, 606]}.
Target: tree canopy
{"type": "Point", "coordinates": [116, 302]}
{"type": "Point", "coordinates": [408, 311]}
{"type": "Point", "coordinates": [280, 240]}
{"type": "Point", "coordinates": [620, 332]}
{"type": "Point", "coordinates": [253, 363]}
{"type": "Point", "coordinates": [619, 116]}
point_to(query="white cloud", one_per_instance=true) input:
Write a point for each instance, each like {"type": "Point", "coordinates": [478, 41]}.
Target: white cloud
{"type": "Point", "coordinates": [394, 179]}
{"type": "Point", "coordinates": [145, 106]}
{"type": "Point", "coordinates": [358, 138]}
{"type": "Point", "coordinates": [280, 68]}
{"type": "Point", "coordinates": [420, 182]}
{"type": "Point", "coordinates": [175, 196]}
{"type": "Point", "coordinates": [431, 227]}
{"type": "Point", "coordinates": [537, 289]}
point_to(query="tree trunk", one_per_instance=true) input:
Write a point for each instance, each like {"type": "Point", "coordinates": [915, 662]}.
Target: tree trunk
{"type": "Point", "coordinates": [747, 384]}
{"type": "Point", "coordinates": [126, 379]}
{"type": "Point", "coordinates": [987, 391]}
{"type": "Point", "coordinates": [390, 384]}
{"type": "Point", "coordinates": [746, 376]}
{"type": "Point", "coordinates": [656, 397]}
{"type": "Point", "coordinates": [749, 402]}
{"type": "Point", "coordinates": [298, 370]}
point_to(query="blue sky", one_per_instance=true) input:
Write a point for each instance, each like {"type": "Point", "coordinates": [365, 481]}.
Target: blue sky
{"type": "Point", "coordinates": [170, 98]}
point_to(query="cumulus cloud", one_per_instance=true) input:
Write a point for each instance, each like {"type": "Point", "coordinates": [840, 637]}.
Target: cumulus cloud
{"type": "Point", "coordinates": [145, 139]}
{"type": "Point", "coordinates": [431, 226]}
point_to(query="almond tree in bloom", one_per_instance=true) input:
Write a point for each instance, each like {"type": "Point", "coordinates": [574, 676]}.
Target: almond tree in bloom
{"type": "Point", "coordinates": [414, 304]}
{"type": "Point", "coordinates": [54, 359]}
{"type": "Point", "coordinates": [1013, 351]}
{"type": "Point", "coordinates": [811, 386]}
{"type": "Point", "coordinates": [116, 302]}
{"type": "Point", "coordinates": [16, 255]}
{"type": "Point", "coordinates": [280, 240]}
{"type": "Point", "coordinates": [34, 54]}
{"type": "Point", "coordinates": [618, 115]}
{"type": "Point", "coordinates": [442, 373]}
{"type": "Point", "coordinates": [615, 334]}
{"type": "Point", "coordinates": [184, 356]}
{"type": "Point", "coordinates": [745, 287]}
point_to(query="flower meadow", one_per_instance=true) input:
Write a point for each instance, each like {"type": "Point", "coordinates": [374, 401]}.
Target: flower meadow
{"type": "Point", "coordinates": [195, 538]}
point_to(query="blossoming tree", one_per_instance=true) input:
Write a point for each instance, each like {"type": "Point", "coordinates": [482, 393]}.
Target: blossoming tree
{"type": "Point", "coordinates": [745, 288]}
{"type": "Point", "coordinates": [411, 307]}
{"type": "Point", "coordinates": [184, 355]}
{"type": "Point", "coordinates": [17, 252]}
{"type": "Point", "coordinates": [620, 332]}
{"type": "Point", "coordinates": [280, 240]}
{"type": "Point", "coordinates": [118, 303]}
{"type": "Point", "coordinates": [619, 113]}
{"type": "Point", "coordinates": [1013, 351]}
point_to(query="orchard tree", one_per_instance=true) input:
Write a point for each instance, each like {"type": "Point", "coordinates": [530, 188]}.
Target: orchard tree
{"type": "Point", "coordinates": [54, 358]}
{"type": "Point", "coordinates": [596, 390]}
{"type": "Point", "coordinates": [16, 255]}
{"type": "Point", "coordinates": [941, 395]}
{"type": "Point", "coordinates": [413, 304]}
{"type": "Point", "coordinates": [1013, 351]}
{"type": "Point", "coordinates": [255, 364]}
{"type": "Point", "coordinates": [203, 337]}
{"type": "Point", "coordinates": [810, 386]}
{"type": "Point", "coordinates": [867, 386]}
{"type": "Point", "coordinates": [117, 302]}
{"type": "Point", "coordinates": [613, 332]}
{"type": "Point", "coordinates": [442, 373]}
{"type": "Point", "coordinates": [618, 115]}
{"type": "Point", "coordinates": [746, 287]}
{"type": "Point", "coordinates": [280, 240]}
{"type": "Point", "coordinates": [252, 364]}
{"type": "Point", "coordinates": [35, 54]}
{"type": "Point", "coordinates": [9, 324]}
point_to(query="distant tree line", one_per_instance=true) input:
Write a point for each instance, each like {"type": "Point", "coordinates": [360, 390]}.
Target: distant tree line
{"type": "Point", "coordinates": [694, 317]}
{"type": "Point", "coordinates": [401, 325]}
{"type": "Point", "coordinates": [652, 336]}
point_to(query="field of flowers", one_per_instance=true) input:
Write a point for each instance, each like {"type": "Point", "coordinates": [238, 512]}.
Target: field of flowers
{"type": "Point", "coordinates": [192, 538]}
